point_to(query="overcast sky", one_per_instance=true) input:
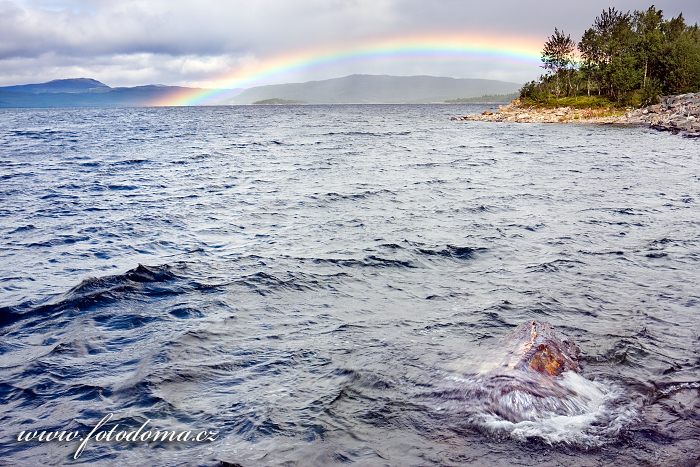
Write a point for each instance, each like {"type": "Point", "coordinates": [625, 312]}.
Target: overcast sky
{"type": "Point", "coordinates": [134, 42]}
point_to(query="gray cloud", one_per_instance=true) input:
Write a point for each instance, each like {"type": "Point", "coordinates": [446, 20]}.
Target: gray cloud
{"type": "Point", "coordinates": [175, 42]}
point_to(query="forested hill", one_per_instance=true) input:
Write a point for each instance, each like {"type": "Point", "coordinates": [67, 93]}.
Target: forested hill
{"type": "Point", "coordinates": [627, 58]}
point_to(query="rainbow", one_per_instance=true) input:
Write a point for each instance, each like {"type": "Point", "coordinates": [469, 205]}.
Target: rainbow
{"type": "Point", "coordinates": [511, 49]}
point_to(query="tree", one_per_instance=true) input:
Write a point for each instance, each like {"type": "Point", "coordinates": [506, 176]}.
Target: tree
{"type": "Point", "coordinates": [557, 56]}
{"type": "Point", "coordinates": [682, 65]}
{"type": "Point", "coordinates": [591, 57]}
{"type": "Point", "coordinates": [647, 26]}
{"type": "Point", "coordinates": [680, 57]}
{"type": "Point", "coordinates": [606, 48]}
{"type": "Point", "coordinates": [628, 58]}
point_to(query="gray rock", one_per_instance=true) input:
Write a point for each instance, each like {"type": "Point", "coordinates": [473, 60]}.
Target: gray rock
{"type": "Point", "coordinates": [678, 114]}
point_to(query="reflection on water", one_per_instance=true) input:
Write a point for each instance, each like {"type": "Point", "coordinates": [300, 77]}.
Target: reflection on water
{"type": "Point", "coordinates": [325, 284]}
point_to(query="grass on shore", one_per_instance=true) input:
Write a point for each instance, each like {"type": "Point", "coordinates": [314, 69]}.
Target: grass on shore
{"type": "Point", "coordinates": [582, 107]}
{"type": "Point", "coordinates": [574, 102]}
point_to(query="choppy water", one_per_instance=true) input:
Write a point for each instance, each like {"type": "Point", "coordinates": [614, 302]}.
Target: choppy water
{"type": "Point", "coordinates": [322, 284]}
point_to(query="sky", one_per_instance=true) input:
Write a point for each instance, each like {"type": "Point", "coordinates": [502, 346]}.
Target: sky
{"type": "Point", "coordinates": [195, 43]}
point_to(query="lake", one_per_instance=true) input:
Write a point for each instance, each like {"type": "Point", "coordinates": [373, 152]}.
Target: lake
{"type": "Point", "coordinates": [317, 284]}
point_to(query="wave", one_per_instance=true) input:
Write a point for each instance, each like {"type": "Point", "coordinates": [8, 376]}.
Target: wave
{"type": "Point", "coordinates": [264, 283]}
{"type": "Point", "coordinates": [372, 261]}
{"type": "Point", "coordinates": [555, 265]}
{"type": "Point", "coordinates": [367, 133]}
{"type": "Point", "coordinates": [409, 254]}
{"type": "Point", "coordinates": [95, 292]}
{"type": "Point", "coordinates": [333, 196]}
{"type": "Point", "coordinates": [61, 240]}
{"type": "Point", "coordinates": [24, 228]}
{"type": "Point", "coordinates": [568, 409]}
{"type": "Point", "coordinates": [46, 134]}
{"type": "Point", "coordinates": [589, 414]}
{"type": "Point", "coordinates": [451, 251]}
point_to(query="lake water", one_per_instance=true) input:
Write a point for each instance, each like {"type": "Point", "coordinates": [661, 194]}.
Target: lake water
{"type": "Point", "coordinates": [320, 283]}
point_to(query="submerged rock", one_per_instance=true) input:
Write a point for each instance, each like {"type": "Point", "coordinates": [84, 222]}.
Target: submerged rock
{"type": "Point", "coordinates": [534, 346]}
{"type": "Point", "coordinates": [536, 390]}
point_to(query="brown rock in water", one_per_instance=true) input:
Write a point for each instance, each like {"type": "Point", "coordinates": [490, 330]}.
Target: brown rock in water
{"type": "Point", "coordinates": [535, 346]}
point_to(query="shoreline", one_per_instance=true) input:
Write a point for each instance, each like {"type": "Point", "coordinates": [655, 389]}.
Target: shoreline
{"type": "Point", "coordinates": [678, 114]}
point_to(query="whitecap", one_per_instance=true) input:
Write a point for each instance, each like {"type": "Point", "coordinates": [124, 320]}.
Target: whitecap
{"type": "Point", "coordinates": [570, 410]}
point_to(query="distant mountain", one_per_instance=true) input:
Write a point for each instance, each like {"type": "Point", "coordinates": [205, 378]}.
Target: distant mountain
{"type": "Point", "coordinates": [86, 92]}
{"type": "Point", "coordinates": [378, 89]}
{"type": "Point", "coordinates": [60, 85]}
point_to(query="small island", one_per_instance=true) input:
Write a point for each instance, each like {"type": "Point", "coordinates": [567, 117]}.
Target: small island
{"type": "Point", "coordinates": [277, 101]}
{"type": "Point", "coordinates": [628, 68]}
{"type": "Point", "coordinates": [485, 99]}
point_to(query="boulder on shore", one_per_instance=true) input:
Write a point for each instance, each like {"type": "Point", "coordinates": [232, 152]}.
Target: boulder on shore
{"type": "Point", "coordinates": [677, 114]}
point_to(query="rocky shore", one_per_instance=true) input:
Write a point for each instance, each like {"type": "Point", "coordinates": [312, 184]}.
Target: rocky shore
{"type": "Point", "coordinates": [678, 114]}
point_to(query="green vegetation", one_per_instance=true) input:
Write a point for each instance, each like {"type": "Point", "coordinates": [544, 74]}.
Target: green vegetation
{"type": "Point", "coordinates": [623, 59]}
{"type": "Point", "coordinates": [575, 102]}
{"type": "Point", "coordinates": [485, 99]}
